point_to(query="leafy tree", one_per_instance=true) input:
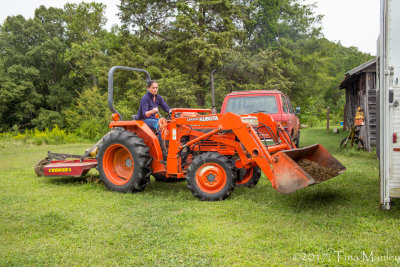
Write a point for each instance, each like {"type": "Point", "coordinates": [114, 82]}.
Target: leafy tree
{"type": "Point", "coordinates": [194, 36]}
{"type": "Point", "coordinates": [48, 119]}
{"type": "Point", "coordinates": [316, 67]}
{"type": "Point", "coordinates": [47, 62]}
{"type": "Point", "coordinates": [86, 35]}
{"type": "Point", "coordinates": [265, 22]}
{"type": "Point", "coordinates": [52, 21]}
{"type": "Point", "coordinates": [20, 98]}
{"type": "Point", "coordinates": [89, 113]}
{"type": "Point", "coordinates": [84, 20]}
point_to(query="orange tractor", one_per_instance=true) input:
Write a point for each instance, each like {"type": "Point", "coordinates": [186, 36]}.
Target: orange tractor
{"type": "Point", "coordinates": [213, 152]}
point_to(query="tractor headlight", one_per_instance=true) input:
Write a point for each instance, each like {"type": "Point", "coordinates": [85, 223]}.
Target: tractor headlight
{"type": "Point", "coordinates": [252, 120]}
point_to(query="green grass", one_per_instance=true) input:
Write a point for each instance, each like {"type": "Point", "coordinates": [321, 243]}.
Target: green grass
{"type": "Point", "coordinates": [76, 221]}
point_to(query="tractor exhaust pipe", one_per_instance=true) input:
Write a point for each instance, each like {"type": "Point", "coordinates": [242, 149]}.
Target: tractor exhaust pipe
{"type": "Point", "coordinates": [213, 108]}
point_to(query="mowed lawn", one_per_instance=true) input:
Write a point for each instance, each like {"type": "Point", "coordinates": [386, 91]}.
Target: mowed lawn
{"type": "Point", "coordinates": [76, 221]}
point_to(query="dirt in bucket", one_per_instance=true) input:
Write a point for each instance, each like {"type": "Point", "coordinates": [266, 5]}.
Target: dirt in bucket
{"type": "Point", "coordinates": [317, 172]}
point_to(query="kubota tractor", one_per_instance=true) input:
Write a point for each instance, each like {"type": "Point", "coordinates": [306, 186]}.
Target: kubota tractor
{"type": "Point", "coordinates": [213, 152]}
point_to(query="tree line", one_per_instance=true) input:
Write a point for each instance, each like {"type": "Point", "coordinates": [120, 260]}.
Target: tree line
{"type": "Point", "coordinates": [53, 66]}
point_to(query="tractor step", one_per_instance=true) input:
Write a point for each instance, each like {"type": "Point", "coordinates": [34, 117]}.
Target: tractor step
{"type": "Point", "coordinates": [74, 168]}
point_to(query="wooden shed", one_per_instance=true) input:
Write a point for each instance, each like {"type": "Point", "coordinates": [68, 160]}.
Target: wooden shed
{"type": "Point", "coordinates": [360, 86]}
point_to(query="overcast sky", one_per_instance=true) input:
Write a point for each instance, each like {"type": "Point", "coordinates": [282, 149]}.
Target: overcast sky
{"type": "Point", "coordinates": [352, 22]}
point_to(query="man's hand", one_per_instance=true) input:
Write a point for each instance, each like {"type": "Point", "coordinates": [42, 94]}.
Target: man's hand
{"type": "Point", "coordinates": [154, 110]}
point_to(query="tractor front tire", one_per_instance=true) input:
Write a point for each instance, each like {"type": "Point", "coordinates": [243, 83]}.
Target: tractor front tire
{"type": "Point", "coordinates": [124, 162]}
{"type": "Point", "coordinates": [211, 177]}
{"type": "Point", "coordinates": [248, 177]}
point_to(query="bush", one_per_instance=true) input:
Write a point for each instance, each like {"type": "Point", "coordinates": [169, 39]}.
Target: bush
{"type": "Point", "coordinates": [91, 130]}
{"type": "Point", "coordinates": [48, 119]}
{"type": "Point", "coordinates": [39, 137]}
{"type": "Point", "coordinates": [91, 105]}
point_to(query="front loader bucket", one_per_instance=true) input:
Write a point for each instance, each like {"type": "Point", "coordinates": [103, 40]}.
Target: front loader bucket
{"type": "Point", "coordinates": [298, 168]}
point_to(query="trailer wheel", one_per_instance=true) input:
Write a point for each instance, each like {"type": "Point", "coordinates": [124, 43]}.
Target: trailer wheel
{"type": "Point", "coordinates": [124, 162]}
{"type": "Point", "coordinates": [40, 165]}
{"type": "Point", "coordinates": [248, 177]}
{"type": "Point", "coordinates": [210, 177]}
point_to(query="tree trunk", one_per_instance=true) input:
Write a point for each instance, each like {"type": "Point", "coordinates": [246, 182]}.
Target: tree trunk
{"type": "Point", "coordinates": [94, 80]}
{"type": "Point", "coordinates": [201, 99]}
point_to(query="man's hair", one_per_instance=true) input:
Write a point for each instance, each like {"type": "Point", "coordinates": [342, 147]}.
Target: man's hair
{"type": "Point", "coordinates": [149, 83]}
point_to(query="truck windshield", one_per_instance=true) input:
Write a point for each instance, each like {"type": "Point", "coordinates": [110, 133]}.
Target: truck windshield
{"type": "Point", "coordinates": [246, 105]}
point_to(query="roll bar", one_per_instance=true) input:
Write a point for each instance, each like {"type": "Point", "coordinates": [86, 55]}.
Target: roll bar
{"type": "Point", "coordinates": [111, 85]}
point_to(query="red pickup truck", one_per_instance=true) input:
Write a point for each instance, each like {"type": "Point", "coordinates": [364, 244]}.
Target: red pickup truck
{"type": "Point", "coordinates": [271, 102]}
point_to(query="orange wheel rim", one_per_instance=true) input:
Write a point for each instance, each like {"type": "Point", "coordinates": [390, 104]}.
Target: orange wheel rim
{"type": "Point", "coordinates": [118, 164]}
{"type": "Point", "coordinates": [247, 176]}
{"type": "Point", "coordinates": [211, 178]}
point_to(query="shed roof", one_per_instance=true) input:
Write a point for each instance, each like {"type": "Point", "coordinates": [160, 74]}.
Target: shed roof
{"type": "Point", "coordinates": [352, 74]}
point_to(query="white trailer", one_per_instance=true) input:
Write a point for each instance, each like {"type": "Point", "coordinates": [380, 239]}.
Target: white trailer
{"type": "Point", "coordinates": [388, 98]}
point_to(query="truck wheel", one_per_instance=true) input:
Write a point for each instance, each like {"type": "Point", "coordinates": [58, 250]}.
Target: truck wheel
{"type": "Point", "coordinates": [210, 177]}
{"type": "Point", "coordinates": [124, 162]}
{"type": "Point", "coordinates": [297, 143]}
{"type": "Point", "coordinates": [248, 177]}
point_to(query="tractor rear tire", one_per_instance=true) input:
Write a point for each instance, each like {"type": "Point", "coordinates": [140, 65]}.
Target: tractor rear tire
{"type": "Point", "coordinates": [124, 162]}
{"type": "Point", "coordinates": [211, 177]}
{"type": "Point", "coordinates": [248, 177]}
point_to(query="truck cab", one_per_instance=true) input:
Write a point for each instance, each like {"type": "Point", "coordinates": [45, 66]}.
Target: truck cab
{"type": "Point", "coordinates": [271, 102]}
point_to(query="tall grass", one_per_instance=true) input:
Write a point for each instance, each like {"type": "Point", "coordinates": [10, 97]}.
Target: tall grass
{"type": "Point", "coordinates": [55, 136]}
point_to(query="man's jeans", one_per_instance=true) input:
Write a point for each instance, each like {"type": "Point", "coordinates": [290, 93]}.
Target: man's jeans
{"type": "Point", "coordinates": [152, 123]}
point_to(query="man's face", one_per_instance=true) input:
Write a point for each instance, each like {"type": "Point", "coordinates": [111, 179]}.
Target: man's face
{"type": "Point", "coordinates": [153, 88]}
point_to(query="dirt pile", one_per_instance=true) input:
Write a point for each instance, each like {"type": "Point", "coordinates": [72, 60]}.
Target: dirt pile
{"type": "Point", "coordinates": [317, 172]}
